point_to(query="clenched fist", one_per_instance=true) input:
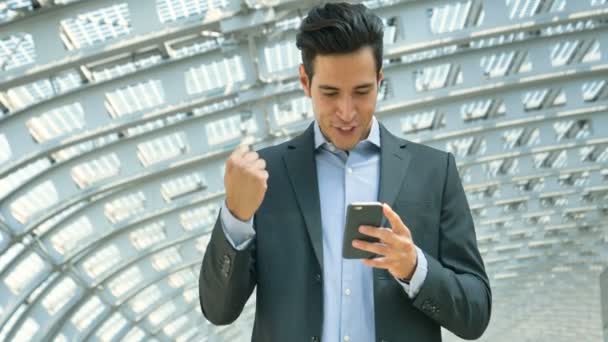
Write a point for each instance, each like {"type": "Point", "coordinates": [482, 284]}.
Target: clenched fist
{"type": "Point", "coordinates": [245, 182]}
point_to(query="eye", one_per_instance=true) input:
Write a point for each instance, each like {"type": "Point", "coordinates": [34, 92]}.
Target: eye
{"type": "Point", "coordinates": [362, 92]}
{"type": "Point", "coordinates": [330, 94]}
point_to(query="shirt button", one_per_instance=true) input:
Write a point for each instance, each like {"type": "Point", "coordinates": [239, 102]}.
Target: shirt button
{"type": "Point", "coordinates": [349, 170]}
{"type": "Point", "coordinates": [346, 338]}
{"type": "Point", "coordinates": [347, 292]}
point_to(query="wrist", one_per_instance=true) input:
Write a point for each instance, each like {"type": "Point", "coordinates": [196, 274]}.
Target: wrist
{"type": "Point", "coordinates": [405, 281]}
{"type": "Point", "coordinates": [410, 275]}
{"type": "Point", "coordinates": [237, 214]}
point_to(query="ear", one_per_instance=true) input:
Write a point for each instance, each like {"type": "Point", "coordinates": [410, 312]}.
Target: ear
{"type": "Point", "coordinates": [304, 81]}
{"type": "Point", "coordinates": [380, 77]}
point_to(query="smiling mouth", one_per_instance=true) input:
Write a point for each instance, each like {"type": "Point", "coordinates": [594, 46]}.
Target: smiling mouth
{"type": "Point", "coordinates": [345, 129]}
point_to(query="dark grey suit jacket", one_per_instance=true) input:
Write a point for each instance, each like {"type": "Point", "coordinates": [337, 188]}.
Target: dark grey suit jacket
{"type": "Point", "coordinates": [286, 258]}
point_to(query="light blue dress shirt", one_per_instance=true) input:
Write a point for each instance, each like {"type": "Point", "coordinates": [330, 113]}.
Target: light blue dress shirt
{"type": "Point", "coordinates": [348, 294]}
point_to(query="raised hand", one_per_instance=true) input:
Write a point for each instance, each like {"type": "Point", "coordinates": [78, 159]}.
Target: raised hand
{"type": "Point", "coordinates": [245, 182]}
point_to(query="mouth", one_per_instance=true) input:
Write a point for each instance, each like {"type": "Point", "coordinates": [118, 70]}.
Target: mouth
{"type": "Point", "coordinates": [345, 129]}
{"type": "Point", "coordinates": [345, 132]}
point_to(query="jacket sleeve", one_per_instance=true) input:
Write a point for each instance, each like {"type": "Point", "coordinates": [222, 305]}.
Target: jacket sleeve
{"type": "Point", "coordinates": [227, 278]}
{"type": "Point", "coordinates": [456, 292]}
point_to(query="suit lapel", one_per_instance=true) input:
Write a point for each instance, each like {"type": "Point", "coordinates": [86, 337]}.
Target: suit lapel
{"type": "Point", "coordinates": [394, 163]}
{"type": "Point", "coordinates": [302, 171]}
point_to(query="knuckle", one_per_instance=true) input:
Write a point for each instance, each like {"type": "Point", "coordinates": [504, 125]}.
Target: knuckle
{"type": "Point", "coordinates": [252, 155]}
{"type": "Point", "coordinates": [236, 160]}
{"type": "Point", "coordinates": [262, 177]}
{"type": "Point", "coordinates": [384, 233]}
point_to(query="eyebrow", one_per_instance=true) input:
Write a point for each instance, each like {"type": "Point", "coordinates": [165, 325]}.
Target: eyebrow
{"type": "Point", "coordinates": [359, 87]}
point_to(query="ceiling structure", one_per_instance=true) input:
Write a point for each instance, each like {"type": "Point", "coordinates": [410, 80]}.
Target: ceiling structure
{"type": "Point", "coordinates": [116, 117]}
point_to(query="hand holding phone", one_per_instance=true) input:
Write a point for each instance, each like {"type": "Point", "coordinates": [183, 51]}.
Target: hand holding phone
{"type": "Point", "coordinates": [360, 214]}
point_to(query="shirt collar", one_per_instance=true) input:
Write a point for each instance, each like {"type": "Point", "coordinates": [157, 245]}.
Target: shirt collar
{"type": "Point", "coordinates": [373, 136]}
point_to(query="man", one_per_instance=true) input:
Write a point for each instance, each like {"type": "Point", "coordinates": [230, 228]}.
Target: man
{"type": "Point", "coordinates": [281, 226]}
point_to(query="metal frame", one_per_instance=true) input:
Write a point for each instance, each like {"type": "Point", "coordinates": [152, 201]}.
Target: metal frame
{"type": "Point", "coordinates": [518, 247]}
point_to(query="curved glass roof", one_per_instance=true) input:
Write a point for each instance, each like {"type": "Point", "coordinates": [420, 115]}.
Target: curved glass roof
{"type": "Point", "coordinates": [116, 117]}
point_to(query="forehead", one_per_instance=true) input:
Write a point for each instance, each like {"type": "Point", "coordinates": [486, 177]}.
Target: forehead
{"type": "Point", "coordinates": [345, 69]}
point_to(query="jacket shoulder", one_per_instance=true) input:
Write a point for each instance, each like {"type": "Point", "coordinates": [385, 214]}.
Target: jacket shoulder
{"type": "Point", "coordinates": [425, 151]}
{"type": "Point", "coordinates": [416, 149]}
{"type": "Point", "coordinates": [274, 152]}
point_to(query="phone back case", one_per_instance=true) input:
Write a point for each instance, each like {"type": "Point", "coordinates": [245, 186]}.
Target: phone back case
{"type": "Point", "coordinates": [358, 215]}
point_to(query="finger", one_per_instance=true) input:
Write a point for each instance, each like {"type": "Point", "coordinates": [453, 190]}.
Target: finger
{"type": "Point", "coordinates": [248, 141]}
{"type": "Point", "coordinates": [250, 157]}
{"type": "Point", "coordinates": [263, 174]}
{"type": "Point", "coordinates": [236, 155]}
{"type": "Point", "coordinates": [395, 221]}
{"type": "Point", "coordinates": [384, 234]}
{"type": "Point", "coordinates": [259, 164]}
{"type": "Point", "coordinates": [372, 247]}
{"type": "Point", "coordinates": [240, 151]}
{"type": "Point", "coordinates": [232, 161]}
{"type": "Point", "coordinates": [381, 262]}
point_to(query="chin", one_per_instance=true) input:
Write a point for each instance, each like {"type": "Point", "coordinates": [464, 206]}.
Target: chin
{"type": "Point", "coordinates": [346, 146]}
{"type": "Point", "coordinates": [345, 142]}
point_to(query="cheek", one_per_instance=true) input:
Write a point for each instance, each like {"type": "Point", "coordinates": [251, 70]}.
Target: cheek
{"type": "Point", "coordinates": [323, 108]}
{"type": "Point", "coordinates": [366, 107]}
{"type": "Point", "coordinates": [368, 102]}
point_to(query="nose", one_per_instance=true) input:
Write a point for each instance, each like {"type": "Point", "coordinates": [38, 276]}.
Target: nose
{"type": "Point", "coordinates": [346, 109]}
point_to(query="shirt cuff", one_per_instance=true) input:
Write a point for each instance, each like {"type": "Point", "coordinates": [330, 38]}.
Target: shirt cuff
{"type": "Point", "coordinates": [238, 233]}
{"type": "Point", "coordinates": [419, 276]}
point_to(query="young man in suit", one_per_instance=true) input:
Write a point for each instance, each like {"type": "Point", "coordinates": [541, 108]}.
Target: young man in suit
{"type": "Point", "coordinates": [282, 224]}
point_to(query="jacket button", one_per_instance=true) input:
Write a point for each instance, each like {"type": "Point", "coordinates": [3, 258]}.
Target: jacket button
{"type": "Point", "coordinates": [315, 339]}
{"type": "Point", "coordinates": [318, 277]}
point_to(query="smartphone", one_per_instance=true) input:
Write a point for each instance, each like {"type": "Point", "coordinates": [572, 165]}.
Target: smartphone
{"type": "Point", "coordinates": [360, 214]}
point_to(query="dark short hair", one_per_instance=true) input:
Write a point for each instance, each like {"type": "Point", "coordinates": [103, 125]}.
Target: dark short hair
{"type": "Point", "coordinates": [338, 28]}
